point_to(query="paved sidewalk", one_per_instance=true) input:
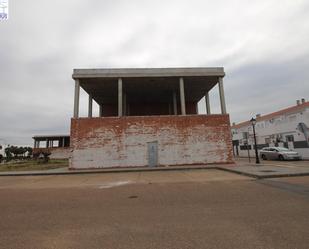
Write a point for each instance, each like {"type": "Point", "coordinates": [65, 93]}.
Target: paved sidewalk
{"type": "Point", "coordinates": [267, 169]}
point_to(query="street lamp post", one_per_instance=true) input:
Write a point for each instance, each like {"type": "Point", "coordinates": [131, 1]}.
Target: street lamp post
{"type": "Point", "coordinates": [253, 122]}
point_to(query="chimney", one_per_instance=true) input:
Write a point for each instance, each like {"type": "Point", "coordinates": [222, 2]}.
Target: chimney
{"type": "Point", "coordinates": [303, 100]}
{"type": "Point", "coordinates": [298, 102]}
{"type": "Point", "coordinates": [258, 115]}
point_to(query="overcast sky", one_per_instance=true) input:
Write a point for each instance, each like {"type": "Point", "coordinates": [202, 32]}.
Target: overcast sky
{"type": "Point", "coordinates": [263, 46]}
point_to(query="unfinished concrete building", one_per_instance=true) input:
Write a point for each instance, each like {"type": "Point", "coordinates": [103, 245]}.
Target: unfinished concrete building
{"type": "Point", "coordinates": [57, 145]}
{"type": "Point", "coordinates": [149, 117]}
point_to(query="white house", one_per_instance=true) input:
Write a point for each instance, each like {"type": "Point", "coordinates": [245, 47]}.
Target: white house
{"type": "Point", "coordinates": [286, 128]}
{"type": "Point", "coordinates": [2, 147]}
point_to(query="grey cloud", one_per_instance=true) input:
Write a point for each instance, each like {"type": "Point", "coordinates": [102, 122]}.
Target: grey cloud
{"type": "Point", "coordinates": [264, 51]}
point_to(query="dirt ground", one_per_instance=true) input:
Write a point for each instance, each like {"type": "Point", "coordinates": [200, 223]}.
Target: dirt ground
{"type": "Point", "coordinates": [30, 165]}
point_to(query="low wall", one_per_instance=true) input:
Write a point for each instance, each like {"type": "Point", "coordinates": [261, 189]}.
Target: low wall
{"type": "Point", "coordinates": [122, 141]}
{"type": "Point", "coordinates": [56, 152]}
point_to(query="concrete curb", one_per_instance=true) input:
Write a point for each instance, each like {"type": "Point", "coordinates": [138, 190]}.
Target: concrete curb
{"type": "Point", "coordinates": [127, 170]}
{"type": "Point", "coordinates": [123, 170]}
{"type": "Point", "coordinates": [237, 172]}
{"type": "Point", "coordinates": [263, 176]}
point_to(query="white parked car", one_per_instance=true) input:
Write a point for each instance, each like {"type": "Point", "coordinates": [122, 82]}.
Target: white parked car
{"type": "Point", "coordinates": [279, 153]}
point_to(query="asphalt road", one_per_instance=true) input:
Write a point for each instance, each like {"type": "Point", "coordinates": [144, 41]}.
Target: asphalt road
{"type": "Point", "coordinates": [187, 209]}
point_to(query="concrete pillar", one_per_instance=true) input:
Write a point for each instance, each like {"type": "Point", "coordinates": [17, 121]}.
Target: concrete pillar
{"type": "Point", "coordinates": [34, 146]}
{"type": "Point", "coordinates": [222, 98]}
{"type": "Point", "coordinates": [207, 103]}
{"type": "Point", "coordinates": [175, 103]}
{"type": "Point", "coordinates": [100, 111]}
{"type": "Point", "coordinates": [119, 97]}
{"type": "Point", "coordinates": [182, 96]}
{"type": "Point", "coordinates": [76, 99]}
{"type": "Point", "coordinates": [38, 144]}
{"type": "Point", "coordinates": [89, 106]}
{"type": "Point", "coordinates": [124, 104]}
{"type": "Point", "coordinates": [47, 143]}
{"type": "Point", "coordinates": [63, 142]}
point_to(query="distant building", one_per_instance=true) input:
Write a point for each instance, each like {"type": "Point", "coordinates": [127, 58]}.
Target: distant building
{"type": "Point", "coordinates": [57, 145]}
{"type": "Point", "coordinates": [285, 128]}
{"type": "Point", "coordinates": [2, 148]}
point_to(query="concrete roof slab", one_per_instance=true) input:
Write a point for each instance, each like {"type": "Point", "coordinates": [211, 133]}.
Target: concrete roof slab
{"type": "Point", "coordinates": [147, 72]}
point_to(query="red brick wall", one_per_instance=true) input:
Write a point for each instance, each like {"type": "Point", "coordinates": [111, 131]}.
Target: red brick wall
{"type": "Point", "coordinates": [122, 141]}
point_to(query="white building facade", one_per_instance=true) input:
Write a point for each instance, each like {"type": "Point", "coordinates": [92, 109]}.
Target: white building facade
{"type": "Point", "coordinates": [2, 148]}
{"type": "Point", "coordinates": [285, 128]}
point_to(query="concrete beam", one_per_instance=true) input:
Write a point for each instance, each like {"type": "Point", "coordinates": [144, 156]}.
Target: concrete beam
{"type": "Point", "coordinates": [76, 99]}
{"type": "Point", "coordinates": [207, 103]}
{"type": "Point", "coordinates": [222, 98]}
{"type": "Point", "coordinates": [182, 96]}
{"type": "Point", "coordinates": [120, 99]}
{"type": "Point", "coordinates": [147, 72]}
{"type": "Point", "coordinates": [90, 106]}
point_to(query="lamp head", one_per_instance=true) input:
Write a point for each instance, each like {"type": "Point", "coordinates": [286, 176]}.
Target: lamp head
{"type": "Point", "coordinates": [253, 121]}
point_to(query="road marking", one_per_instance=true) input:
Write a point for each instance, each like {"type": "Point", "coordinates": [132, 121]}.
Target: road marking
{"type": "Point", "coordinates": [114, 184]}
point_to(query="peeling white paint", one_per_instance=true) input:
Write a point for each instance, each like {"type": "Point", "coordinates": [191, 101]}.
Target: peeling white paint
{"type": "Point", "coordinates": [179, 143]}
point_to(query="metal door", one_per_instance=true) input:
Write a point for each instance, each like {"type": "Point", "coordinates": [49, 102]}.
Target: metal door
{"type": "Point", "coordinates": [152, 154]}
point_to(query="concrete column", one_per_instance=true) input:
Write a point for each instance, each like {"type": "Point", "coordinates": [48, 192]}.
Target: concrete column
{"type": "Point", "coordinates": [63, 142]}
{"type": "Point", "coordinates": [100, 111]}
{"type": "Point", "coordinates": [169, 109]}
{"type": "Point", "coordinates": [89, 106]}
{"type": "Point", "coordinates": [175, 103]}
{"type": "Point", "coordinates": [38, 144]}
{"type": "Point", "coordinates": [119, 97]}
{"type": "Point", "coordinates": [182, 96]}
{"type": "Point", "coordinates": [207, 103]}
{"type": "Point", "coordinates": [222, 98]}
{"type": "Point", "coordinates": [47, 143]}
{"type": "Point", "coordinates": [76, 99]}
{"type": "Point", "coordinates": [124, 104]}
{"type": "Point", "coordinates": [34, 146]}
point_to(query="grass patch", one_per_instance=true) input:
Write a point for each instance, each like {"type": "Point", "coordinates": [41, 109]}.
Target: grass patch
{"type": "Point", "coordinates": [29, 165]}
